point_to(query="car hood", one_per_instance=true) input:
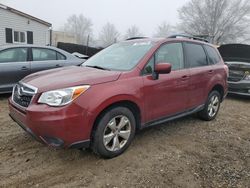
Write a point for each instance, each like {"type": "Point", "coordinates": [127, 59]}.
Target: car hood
{"type": "Point", "coordinates": [235, 52]}
{"type": "Point", "coordinates": [69, 77]}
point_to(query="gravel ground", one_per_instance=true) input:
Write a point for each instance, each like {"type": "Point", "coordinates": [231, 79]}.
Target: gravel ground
{"type": "Point", "coordinates": [183, 153]}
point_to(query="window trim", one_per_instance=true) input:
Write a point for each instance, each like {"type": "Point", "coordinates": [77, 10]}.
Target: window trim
{"type": "Point", "coordinates": [153, 56]}
{"type": "Point", "coordinates": [19, 35]}
{"type": "Point", "coordinates": [27, 56]}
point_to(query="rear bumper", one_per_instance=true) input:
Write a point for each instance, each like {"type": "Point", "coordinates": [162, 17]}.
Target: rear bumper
{"type": "Point", "coordinates": [66, 127]}
{"type": "Point", "coordinates": [239, 88]}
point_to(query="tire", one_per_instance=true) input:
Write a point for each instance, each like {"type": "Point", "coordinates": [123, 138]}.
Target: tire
{"type": "Point", "coordinates": [114, 132]}
{"type": "Point", "coordinates": [212, 106]}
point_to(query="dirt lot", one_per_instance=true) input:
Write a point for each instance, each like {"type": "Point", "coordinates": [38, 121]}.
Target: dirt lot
{"type": "Point", "coordinates": [183, 153]}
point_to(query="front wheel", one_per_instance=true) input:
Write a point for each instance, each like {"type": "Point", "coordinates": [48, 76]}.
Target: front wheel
{"type": "Point", "coordinates": [114, 132]}
{"type": "Point", "coordinates": [212, 106]}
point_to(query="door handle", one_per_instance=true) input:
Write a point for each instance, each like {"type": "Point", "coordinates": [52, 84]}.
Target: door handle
{"type": "Point", "coordinates": [210, 72]}
{"type": "Point", "coordinates": [185, 77]}
{"type": "Point", "coordinates": [24, 68]}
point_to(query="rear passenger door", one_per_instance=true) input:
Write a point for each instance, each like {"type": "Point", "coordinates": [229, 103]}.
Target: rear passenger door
{"type": "Point", "coordinates": [201, 73]}
{"type": "Point", "coordinates": [14, 66]}
{"type": "Point", "coordinates": [43, 59]}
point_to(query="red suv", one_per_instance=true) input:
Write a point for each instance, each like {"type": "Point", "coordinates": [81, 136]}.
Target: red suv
{"type": "Point", "coordinates": [122, 89]}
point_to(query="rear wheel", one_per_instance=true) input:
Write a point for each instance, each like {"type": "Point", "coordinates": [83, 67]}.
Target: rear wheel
{"type": "Point", "coordinates": [212, 106]}
{"type": "Point", "coordinates": [114, 132]}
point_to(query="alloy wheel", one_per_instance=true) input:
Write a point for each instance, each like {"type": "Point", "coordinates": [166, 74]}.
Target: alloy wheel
{"type": "Point", "coordinates": [213, 106]}
{"type": "Point", "coordinates": [117, 133]}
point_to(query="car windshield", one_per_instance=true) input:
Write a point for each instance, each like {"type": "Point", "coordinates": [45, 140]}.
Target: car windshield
{"type": "Point", "coordinates": [122, 56]}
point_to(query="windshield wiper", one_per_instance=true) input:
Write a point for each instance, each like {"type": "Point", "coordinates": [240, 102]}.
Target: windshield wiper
{"type": "Point", "coordinates": [97, 67]}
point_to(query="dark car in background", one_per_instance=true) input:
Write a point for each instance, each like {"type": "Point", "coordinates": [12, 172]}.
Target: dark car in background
{"type": "Point", "coordinates": [237, 58]}
{"type": "Point", "coordinates": [16, 62]}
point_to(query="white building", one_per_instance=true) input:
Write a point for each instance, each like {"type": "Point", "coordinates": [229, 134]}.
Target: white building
{"type": "Point", "coordinates": [17, 27]}
{"type": "Point", "coordinates": [60, 36]}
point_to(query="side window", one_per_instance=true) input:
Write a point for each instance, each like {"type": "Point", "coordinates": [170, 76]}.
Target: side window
{"type": "Point", "coordinates": [60, 56]}
{"type": "Point", "coordinates": [42, 54]}
{"type": "Point", "coordinates": [213, 55]}
{"type": "Point", "coordinates": [149, 68]}
{"type": "Point", "coordinates": [171, 53]}
{"type": "Point", "coordinates": [195, 54]}
{"type": "Point", "coordinates": [13, 55]}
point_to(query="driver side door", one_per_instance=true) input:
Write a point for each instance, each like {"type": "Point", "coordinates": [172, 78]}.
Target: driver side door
{"type": "Point", "coordinates": [168, 95]}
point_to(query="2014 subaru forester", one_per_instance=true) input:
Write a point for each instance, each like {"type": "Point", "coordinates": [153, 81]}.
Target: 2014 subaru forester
{"type": "Point", "coordinates": [122, 89]}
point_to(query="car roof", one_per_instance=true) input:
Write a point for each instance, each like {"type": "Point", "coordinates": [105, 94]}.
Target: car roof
{"type": "Point", "coordinates": [26, 45]}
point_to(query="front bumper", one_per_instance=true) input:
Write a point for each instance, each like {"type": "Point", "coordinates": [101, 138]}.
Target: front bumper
{"type": "Point", "coordinates": [239, 88]}
{"type": "Point", "coordinates": [64, 127]}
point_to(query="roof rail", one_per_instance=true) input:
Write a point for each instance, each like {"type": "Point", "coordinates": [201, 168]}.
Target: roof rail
{"type": "Point", "coordinates": [134, 38]}
{"type": "Point", "coordinates": [189, 37]}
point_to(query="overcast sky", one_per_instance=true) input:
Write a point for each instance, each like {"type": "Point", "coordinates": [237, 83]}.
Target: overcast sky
{"type": "Point", "coordinates": [146, 14]}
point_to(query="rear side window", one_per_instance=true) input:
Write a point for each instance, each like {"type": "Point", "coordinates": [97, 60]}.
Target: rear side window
{"type": "Point", "coordinates": [60, 56]}
{"type": "Point", "coordinates": [213, 55]}
{"type": "Point", "coordinates": [171, 53]}
{"type": "Point", "coordinates": [42, 54]}
{"type": "Point", "coordinates": [14, 55]}
{"type": "Point", "coordinates": [195, 54]}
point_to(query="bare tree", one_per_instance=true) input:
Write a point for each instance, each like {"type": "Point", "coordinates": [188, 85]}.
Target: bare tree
{"type": "Point", "coordinates": [222, 20]}
{"type": "Point", "coordinates": [164, 30]}
{"type": "Point", "coordinates": [133, 31]}
{"type": "Point", "coordinates": [81, 27]}
{"type": "Point", "coordinates": [108, 35]}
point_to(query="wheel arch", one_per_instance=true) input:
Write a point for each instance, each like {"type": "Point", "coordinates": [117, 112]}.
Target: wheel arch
{"type": "Point", "coordinates": [220, 89]}
{"type": "Point", "coordinates": [131, 105]}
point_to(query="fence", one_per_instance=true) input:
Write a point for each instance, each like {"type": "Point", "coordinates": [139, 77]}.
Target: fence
{"type": "Point", "coordinates": [69, 47]}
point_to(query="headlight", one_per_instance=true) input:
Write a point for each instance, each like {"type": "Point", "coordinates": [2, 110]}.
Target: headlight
{"type": "Point", "coordinates": [247, 77]}
{"type": "Point", "coordinates": [62, 97]}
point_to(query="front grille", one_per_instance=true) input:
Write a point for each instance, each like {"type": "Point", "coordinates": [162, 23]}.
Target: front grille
{"type": "Point", "coordinates": [236, 75]}
{"type": "Point", "coordinates": [23, 94]}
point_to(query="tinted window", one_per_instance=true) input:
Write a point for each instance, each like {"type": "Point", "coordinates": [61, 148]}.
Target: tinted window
{"type": "Point", "coordinates": [41, 54]}
{"type": "Point", "coordinates": [171, 53]}
{"type": "Point", "coordinates": [13, 55]}
{"type": "Point", "coordinates": [213, 55]}
{"type": "Point", "coordinates": [60, 56]}
{"type": "Point", "coordinates": [195, 55]}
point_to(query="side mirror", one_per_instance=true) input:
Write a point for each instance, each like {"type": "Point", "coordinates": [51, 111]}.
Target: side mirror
{"type": "Point", "coordinates": [163, 68]}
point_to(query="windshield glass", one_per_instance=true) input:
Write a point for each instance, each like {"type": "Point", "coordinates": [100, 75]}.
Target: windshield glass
{"type": "Point", "coordinates": [121, 56]}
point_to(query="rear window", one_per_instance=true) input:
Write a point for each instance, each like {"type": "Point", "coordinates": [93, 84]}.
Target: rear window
{"type": "Point", "coordinates": [42, 54]}
{"type": "Point", "coordinates": [195, 54]}
{"type": "Point", "coordinates": [213, 55]}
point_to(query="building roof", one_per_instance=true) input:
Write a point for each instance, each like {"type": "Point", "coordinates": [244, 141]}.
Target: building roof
{"type": "Point", "coordinates": [25, 15]}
